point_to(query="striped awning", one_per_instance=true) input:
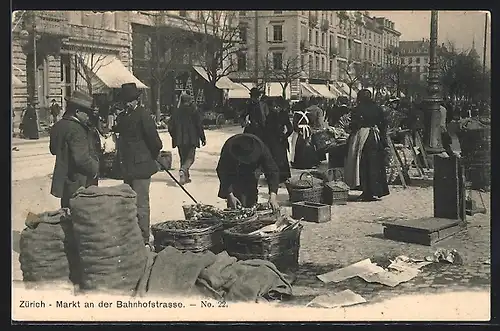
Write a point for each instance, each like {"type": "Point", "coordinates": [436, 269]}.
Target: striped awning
{"type": "Point", "coordinates": [243, 92]}
{"type": "Point", "coordinates": [323, 91]}
{"type": "Point", "coordinates": [224, 83]}
{"type": "Point", "coordinates": [307, 91]}
{"type": "Point", "coordinates": [16, 81]}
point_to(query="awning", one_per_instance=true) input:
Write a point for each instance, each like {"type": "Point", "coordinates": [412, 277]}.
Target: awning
{"type": "Point", "coordinates": [223, 82]}
{"type": "Point", "coordinates": [243, 92]}
{"type": "Point", "coordinates": [110, 70]}
{"type": "Point", "coordinates": [307, 91]}
{"type": "Point", "coordinates": [323, 91]}
{"type": "Point", "coordinates": [16, 81]}
{"type": "Point", "coordinates": [344, 88]}
{"type": "Point", "coordinates": [276, 90]}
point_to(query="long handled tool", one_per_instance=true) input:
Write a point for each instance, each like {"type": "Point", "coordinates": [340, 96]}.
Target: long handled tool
{"type": "Point", "coordinates": [164, 167]}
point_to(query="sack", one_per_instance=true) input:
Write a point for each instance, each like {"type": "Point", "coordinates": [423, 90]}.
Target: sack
{"type": "Point", "coordinates": [323, 140]}
{"type": "Point", "coordinates": [108, 238]}
{"type": "Point", "coordinates": [47, 248]}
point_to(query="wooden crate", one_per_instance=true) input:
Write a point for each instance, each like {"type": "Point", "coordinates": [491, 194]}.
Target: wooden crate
{"type": "Point", "coordinates": [311, 211]}
{"type": "Point", "coordinates": [423, 231]}
{"type": "Point", "coordinates": [449, 188]}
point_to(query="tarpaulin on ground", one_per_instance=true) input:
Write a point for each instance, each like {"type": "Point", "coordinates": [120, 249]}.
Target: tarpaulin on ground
{"type": "Point", "coordinates": [219, 276]}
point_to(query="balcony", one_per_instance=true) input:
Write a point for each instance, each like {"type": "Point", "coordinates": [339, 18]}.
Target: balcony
{"type": "Point", "coordinates": [318, 74]}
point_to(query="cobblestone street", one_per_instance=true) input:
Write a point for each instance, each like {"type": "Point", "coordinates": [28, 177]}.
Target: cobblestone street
{"type": "Point", "coordinates": [353, 234]}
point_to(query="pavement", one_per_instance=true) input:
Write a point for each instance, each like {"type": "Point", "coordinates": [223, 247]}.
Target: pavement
{"type": "Point", "coordinates": [353, 234]}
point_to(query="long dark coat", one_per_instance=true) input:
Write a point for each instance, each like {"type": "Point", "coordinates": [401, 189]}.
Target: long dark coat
{"type": "Point", "coordinates": [76, 159]}
{"type": "Point", "coordinates": [278, 129]}
{"type": "Point", "coordinates": [139, 144]}
{"type": "Point", "coordinates": [257, 112]}
{"type": "Point", "coordinates": [185, 127]}
{"type": "Point", "coordinates": [29, 123]}
{"type": "Point", "coordinates": [373, 176]}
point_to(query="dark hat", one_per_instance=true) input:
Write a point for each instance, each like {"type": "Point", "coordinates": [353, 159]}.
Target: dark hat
{"type": "Point", "coordinates": [81, 100]}
{"type": "Point", "coordinates": [244, 147]}
{"type": "Point", "coordinates": [255, 92]}
{"type": "Point", "coordinates": [129, 92]}
{"type": "Point", "coordinates": [364, 95]}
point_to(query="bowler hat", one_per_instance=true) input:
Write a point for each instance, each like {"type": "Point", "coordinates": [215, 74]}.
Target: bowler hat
{"type": "Point", "coordinates": [255, 92]}
{"type": "Point", "coordinates": [245, 148]}
{"type": "Point", "coordinates": [82, 100]}
{"type": "Point", "coordinates": [129, 92]}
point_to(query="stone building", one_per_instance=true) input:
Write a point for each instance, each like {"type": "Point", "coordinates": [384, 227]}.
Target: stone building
{"type": "Point", "coordinates": [57, 52]}
{"type": "Point", "coordinates": [414, 57]}
{"type": "Point", "coordinates": [325, 47]}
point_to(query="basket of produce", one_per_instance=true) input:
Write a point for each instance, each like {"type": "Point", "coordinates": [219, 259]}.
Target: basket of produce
{"type": "Point", "coordinates": [274, 238]}
{"type": "Point", "coordinates": [233, 217]}
{"type": "Point", "coordinates": [310, 189]}
{"type": "Point", "coordinates": [336, 192]}
{"type": "Point", "coordinates": [201, 211]}
{"type": "Point", "coordinates": [263, 209]}
{"type": "Point", "coordinates": [189, 235]}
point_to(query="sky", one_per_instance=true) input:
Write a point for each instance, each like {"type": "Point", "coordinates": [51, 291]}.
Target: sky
{"type": "Point", "coordinates": [460, 27]}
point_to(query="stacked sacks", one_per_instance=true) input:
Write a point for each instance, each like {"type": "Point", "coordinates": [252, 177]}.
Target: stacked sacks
{"type": "Point", "coordinates": [47, 251]}
{"type": "Point", "coordinates": [108, 238]}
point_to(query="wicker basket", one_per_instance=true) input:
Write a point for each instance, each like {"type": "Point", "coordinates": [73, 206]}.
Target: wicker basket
{"type": "Point", "coordinates": [280, 248]}
{"type": "Point", "coordinates": [211, 212]}
{"type": "Point", "coordinates": [193, 236]}
{"type": "Point", "coordinates": [336, 192]}
{"type": "Point", "coordinates": [229, 222]}
{"type": "Point", "coordinates": [310, 194]}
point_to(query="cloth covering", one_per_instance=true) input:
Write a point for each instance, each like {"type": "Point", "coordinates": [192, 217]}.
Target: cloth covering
{"type": "Point", "coordinates": [219, 276]}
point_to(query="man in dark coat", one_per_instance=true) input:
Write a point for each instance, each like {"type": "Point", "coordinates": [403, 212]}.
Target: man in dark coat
{"type": "Point", "coordinates": [29, 122]}
{"type": "Point", "coordinates": [255, 115]}
{"type": "Point", "coordinates": [186, 130]}
{"type": "Point", "coordinates": [55, 111]}
{"type": "Point", "coordinates": [71, 142]}
{"type": "Point", "coordinates": [240, 157]}
{"type": "Point", "coordinates": [139, 146]}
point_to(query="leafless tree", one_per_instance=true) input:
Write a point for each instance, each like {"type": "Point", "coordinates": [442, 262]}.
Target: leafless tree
{"type": "Point", "coordinates": [217, 39]}
{"type": "Point", "coordinates": [88, 61]}
{"type": "Point", "coordinates": [291, 68]}
{"type": "Point", "coordinates": [352, 75]}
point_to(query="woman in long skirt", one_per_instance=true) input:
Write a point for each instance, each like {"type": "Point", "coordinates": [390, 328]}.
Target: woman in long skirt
{"type": "Point", "coordinates": [303, 155]}
{"type": "Point", "coordinates": [278, 129]}
{"type": "Point", "coordinates": [367, 149]}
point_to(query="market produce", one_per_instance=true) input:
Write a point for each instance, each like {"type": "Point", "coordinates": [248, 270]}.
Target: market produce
{"type": "Point", "coordinates": [200, 211]}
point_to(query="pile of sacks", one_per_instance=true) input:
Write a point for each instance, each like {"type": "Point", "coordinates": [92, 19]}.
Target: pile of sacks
{"type": "Point", "coordinates": [97, 245]}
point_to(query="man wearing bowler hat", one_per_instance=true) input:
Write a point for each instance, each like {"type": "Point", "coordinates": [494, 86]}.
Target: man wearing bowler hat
{"type": "Point", "coordinates": [139, 146]}
{"type": "Point", "coordinates": [240, 157]}
{"type": "Point", "coordinates": [72, 142]}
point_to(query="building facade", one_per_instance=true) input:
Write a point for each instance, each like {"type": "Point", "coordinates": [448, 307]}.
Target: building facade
{"type": "Point", "coordinates": [414, 57]}
{"type": "Point", "coordinates": [57, 52]}
{"type": "Point", "coordinates": [324, 46]}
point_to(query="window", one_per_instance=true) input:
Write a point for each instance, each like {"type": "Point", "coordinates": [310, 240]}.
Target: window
{"type": "Point", "coordinates": [316, 34]}
{"type": "Point", "coordinates": [323, 65]}
{"type": "Point", "coordinates": [277, 61]}
{"type": "Point", "coordinates": [310, 36]}
{"type": "Point", "coordinates": [303, 32]}
{"type": "Point", "coordinates": [183, 13]}
{"type": "Point", "coordinates": [317, 62]}
{"type": "Point", "coordinates": [330, 69]}
{"type": "Point", "coordinates": [243, 13]}
{"type": "Point", "coordinates": [302, 61]}
{"type": "Point", "coordinates": [418, 60]}
{"type": "Point", "coordinates": [417, 69]}
{"type": "Point", "coordinates": [323, 39]}
{"type": "Point", "coordinates": [243, 34]}
{"type": "Point", "coordinates": [311, 63]}
{"type": "Point", "coordinates": [278, 12]}
{"type": "Point", "coordinates": [410, 60]}
{"type": "Point", "coordinates": [277, 32]}
{"type": "Point", "coordinates": [242, 61]}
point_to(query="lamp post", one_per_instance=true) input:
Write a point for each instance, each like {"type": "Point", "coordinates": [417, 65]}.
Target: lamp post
{"type": "Point", "coordinates": [434, 99]}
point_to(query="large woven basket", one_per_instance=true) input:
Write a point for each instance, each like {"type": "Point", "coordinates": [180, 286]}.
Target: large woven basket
{"type": "Point", "coordinates": [229, 222]}
{"type": "Point", "coordinates": [311, 194]}
{"type": "Point", "coordinates": [336, 192]}
{"type": "Point", "coordinates": [280, 248]}
{"type": "Point", "coordinates": [193, 236]}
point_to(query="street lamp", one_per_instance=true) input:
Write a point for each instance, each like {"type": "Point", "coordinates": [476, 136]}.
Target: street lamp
{"type": "Point", "coordinates": [433, 100]}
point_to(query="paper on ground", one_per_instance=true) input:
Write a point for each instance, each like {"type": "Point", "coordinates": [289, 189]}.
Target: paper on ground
{"type": "Point", "coordinates": [337, 300]}
{"type": "Point", "coordinates": [402, 263]}
{"type": "Point", "coordinates": [390, 278]}
{"type": "Point", "coordinates": [356, 269]}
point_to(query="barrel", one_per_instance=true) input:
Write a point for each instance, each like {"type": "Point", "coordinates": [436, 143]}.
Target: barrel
{"type": "Point", "coordinates": [475, 145]}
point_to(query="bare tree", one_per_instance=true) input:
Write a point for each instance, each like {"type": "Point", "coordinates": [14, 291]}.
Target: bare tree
{"type": "Point", "coordinates": [217, 38]}
{"type": "Point", "coordinates": [352, 75]}
{"type": "Point", "coordinates": [265, 72]}
{"type": "Point", "coordinates": [88, 61]}
{"type": "Point", "coordinates": [290, 68]}
{"type": "Point", "coordinates": [162, 47]}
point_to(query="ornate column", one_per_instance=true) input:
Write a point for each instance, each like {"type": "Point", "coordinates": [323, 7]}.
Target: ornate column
{"type": "Point", "coordinates": [434, 99]}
